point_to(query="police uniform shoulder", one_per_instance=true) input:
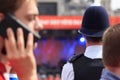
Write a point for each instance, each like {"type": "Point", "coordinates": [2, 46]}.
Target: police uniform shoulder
{"type": "Point", "coordinates": [74, 57]}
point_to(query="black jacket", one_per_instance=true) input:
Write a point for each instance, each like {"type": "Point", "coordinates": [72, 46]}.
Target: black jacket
{"type": "Point", "coordinates": [86, 68]}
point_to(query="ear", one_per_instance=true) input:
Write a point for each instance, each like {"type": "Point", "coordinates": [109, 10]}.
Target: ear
{"type": "Point", "coordinates": [1, 16]}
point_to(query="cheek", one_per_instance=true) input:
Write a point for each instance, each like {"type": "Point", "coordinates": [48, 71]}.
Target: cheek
{"type": "Point", "coordinates": [30, 25]}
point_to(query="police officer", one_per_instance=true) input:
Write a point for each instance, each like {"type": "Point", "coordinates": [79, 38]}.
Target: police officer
{"type": "Point", "coordinates": [88, 66]}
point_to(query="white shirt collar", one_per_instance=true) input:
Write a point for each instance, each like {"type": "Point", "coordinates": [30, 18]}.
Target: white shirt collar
{"type": "Point", "coordinates": [93, 52]}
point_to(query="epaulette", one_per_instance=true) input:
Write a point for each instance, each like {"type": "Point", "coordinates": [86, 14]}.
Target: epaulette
{"type": "Point", "coordinates": [74, 57]}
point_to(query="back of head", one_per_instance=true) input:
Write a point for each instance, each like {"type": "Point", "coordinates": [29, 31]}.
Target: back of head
{"type": "Point", "coordinates": [111, 46]}
{"type": "Point", "coordinates": [95, 21]}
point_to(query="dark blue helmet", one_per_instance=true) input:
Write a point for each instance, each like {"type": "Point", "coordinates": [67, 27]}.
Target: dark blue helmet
{"type": "Point", "coordinates": [95, 21]}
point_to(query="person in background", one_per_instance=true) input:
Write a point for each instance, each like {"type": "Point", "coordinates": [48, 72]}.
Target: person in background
{"type": "Point", "coordinates": [88, 66]}
{"type": "Point", "coordinates": [111, 53]}
{"type": "Point", "coordinates": [21, 58]}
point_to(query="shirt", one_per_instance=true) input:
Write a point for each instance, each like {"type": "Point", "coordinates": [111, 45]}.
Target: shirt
{"type": "Point", "coordinates": [92, 52]}
{"type": "Point", "coordinates": [108, 75]}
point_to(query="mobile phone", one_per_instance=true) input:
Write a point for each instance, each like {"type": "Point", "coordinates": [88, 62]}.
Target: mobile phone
{"type": "Point", "coordinates": [12, 22]}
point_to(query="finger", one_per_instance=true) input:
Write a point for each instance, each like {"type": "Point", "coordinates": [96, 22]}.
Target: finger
{"type": "Point", "coordinates": [11, 40]}
{"type": "Point", "coordinates": [29, 46]}
{"type": "Point", "coordinates": [20, 40]}
{"type": "Point", "coordinates": [35, 45]}
{"type": "Point", "coordinates": [8, 51]}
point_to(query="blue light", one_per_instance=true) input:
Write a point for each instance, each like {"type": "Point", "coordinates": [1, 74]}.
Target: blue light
{"type": "Point", "coordinates": [82, 39]}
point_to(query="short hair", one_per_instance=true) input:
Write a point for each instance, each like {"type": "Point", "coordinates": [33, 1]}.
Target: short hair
{"type": "Point", "coordinates": [111, 46]}
{"type": "Point", "coordinates": [10, 6]}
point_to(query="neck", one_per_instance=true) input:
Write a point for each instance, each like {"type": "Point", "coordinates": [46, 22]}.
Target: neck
{"type": "Point", "coordinates": [93, 43]}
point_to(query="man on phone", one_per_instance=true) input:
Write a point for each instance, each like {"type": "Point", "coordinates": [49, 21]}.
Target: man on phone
{"type": "Point", "coordinates": [20, 57]}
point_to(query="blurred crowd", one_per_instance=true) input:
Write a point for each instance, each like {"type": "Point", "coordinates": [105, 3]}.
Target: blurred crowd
{"type": "Point", "coordinates": [46, 71]}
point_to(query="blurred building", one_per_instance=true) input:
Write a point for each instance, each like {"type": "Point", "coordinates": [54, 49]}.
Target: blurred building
{"type": "Point", "coordinates": [63, 7]}
{"type": "Point", "coordinates": [51, 7]}
{"type": "Point", "coordinates": [72, 7]}
{"type": "Point", "coordinates": [107, 5]}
